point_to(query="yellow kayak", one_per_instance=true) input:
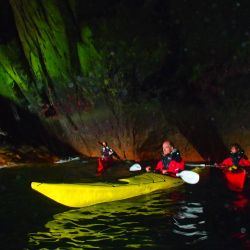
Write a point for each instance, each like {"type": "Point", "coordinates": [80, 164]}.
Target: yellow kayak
{"type": "Point", "coordinates": [87, 194]}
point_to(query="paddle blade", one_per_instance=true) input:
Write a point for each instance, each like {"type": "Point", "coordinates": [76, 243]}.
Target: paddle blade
{"type": "Point", "coordinates": [135, 167]}
{"type": "Point", "coordinates": [189, 177]}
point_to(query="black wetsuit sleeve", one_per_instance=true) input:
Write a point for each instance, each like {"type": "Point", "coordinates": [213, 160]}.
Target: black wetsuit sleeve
{"type": "Point", "coordinates": [176, 156]}
{"type": "Point", "coordinates": [242, 155]}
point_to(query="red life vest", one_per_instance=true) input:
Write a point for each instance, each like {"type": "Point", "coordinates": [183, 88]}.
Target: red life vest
{"type": "Point", "coordinates": [173, 168]}
{"type": "Point", "coordinates": [171, 163]}
{"type": "Point", "coordinates": [228, 162]}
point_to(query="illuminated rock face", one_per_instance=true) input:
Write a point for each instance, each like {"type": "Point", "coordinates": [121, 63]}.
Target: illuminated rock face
{"type": "Point", "coordinates": [113, 71]}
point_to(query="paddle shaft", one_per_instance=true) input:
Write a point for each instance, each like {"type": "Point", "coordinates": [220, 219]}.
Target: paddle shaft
{"type": "Point", "coordinates": [202, 165]}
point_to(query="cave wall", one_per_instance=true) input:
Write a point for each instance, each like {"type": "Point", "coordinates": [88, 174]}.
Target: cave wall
{"type": "Point", "coordinates": [130, 72]}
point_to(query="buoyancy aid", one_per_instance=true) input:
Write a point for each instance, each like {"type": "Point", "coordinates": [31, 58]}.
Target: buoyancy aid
{"type": "Point", "coordinates": [173, 162]}
{"type": "Point", "coordinates": [236, 159]}
{"type": "Point", "coordinates": [106, 152]}
{"type": "Point", "coordinates": [174, 155]}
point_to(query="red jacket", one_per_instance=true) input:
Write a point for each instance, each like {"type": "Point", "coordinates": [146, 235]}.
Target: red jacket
{"type": "Point", "coordinates": [173, 168]}
{"type": "Point", "coordinates": [228, 162]}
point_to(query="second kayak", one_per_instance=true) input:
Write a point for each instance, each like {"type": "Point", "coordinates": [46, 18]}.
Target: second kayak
{"type": "Point", "coordinates": [235, 180]}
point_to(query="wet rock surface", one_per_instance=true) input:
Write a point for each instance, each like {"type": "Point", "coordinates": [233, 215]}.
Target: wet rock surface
{"type": "Point", "coordinates": [131, 73]}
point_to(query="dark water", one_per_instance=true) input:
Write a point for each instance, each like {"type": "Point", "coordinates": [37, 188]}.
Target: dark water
{"type": "Point", "coordinates": [202, 216]}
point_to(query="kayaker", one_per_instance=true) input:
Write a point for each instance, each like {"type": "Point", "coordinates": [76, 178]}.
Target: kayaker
{"type": "Point", "coordinates": [106, 158]}
{"type": "Point", "coordinates": [236, 158]}
{"type": "Point", "coordinates": [170, 162]}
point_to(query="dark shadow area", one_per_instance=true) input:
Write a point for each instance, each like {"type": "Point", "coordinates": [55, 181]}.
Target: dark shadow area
{"type": "Point", "coordinates": [7, 25]}
{"type": "Point", "coordinates": [22, 127]}
{"type": "Point", "coordinates": [196, 124]}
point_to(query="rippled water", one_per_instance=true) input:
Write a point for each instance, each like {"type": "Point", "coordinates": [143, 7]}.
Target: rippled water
{"type": "Point", "coordinates": [202, 216]}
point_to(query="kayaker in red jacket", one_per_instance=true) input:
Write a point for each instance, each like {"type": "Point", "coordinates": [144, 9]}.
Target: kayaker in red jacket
{"type": "Point", "coordinates": [171, 161]}
{"type": "Point", "coordinates": [106, 158]}
{"type": "Point", "coordinates": [236, 157]}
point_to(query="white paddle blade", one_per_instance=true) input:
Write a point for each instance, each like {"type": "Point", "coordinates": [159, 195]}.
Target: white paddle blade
{"type": "Point", "coordinates": [189, 177]}
{"type": "Point", "coordinates": [135, 167]}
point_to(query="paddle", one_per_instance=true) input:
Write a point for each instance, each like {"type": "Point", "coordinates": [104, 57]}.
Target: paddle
{"type": "Point", "coordinates": [135, 167]}
{"type": "Point", "coordinates": [189, 177]}
{"type": "Point", "coordinates": [221, 167]}
{"type": "Point", "coordinates": [202, 165]}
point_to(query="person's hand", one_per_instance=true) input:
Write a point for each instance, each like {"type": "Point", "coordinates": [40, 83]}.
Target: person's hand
{"type": "Point", "coordinates": [216, 165]}
{"type": "Point", "coordinates": [164, 171]}
{"type": "Point", "coordinates": [148, 169]}
{"type": "Point", "coordinates": [220, 166]}
{"type": "Point", "coordinates": [232, 168]}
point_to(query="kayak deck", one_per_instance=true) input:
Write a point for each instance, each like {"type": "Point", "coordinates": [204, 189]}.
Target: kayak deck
{"type": "Point", "coordinates": [87, 194]}
{"type": "Point", "coordinates": [235, 180]}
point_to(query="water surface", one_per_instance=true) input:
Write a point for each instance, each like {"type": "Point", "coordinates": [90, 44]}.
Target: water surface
{"type": "Point", "coordinates": [202, 216]}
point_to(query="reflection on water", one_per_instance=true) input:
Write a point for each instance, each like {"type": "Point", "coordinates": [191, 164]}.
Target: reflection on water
{"type": "Point", "coordinates": [189, 222]}
{"type": "Point", "coordinates": [240, 201]}
{"type": "Point", "coordinates": [142, 222]}
{"type": "Point", "coordinates": [125, 223]}
{"type": "Point", "coordinates": [203, 216]}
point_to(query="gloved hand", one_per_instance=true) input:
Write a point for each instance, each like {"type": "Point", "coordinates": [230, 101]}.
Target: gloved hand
{"type": "Point", "coordinates": [164, 171]}
{"type": "Point", "coordinates": [233, 168]}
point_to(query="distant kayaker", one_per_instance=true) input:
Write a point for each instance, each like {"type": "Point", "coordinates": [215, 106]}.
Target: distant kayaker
{"type": "Point", "coordinates": [236, 158]}
{"type": "Point", "coordinates": [170, 162]}
{"type": "Point", "coordinates": [106, 158]}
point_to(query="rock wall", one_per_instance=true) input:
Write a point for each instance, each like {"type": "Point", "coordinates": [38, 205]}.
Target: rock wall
{"type": "Point", "coordinates": [131, 73]}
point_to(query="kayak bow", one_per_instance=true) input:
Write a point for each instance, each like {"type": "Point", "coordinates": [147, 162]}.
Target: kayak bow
{"type": "Point", "coordinates": [235, 180]}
